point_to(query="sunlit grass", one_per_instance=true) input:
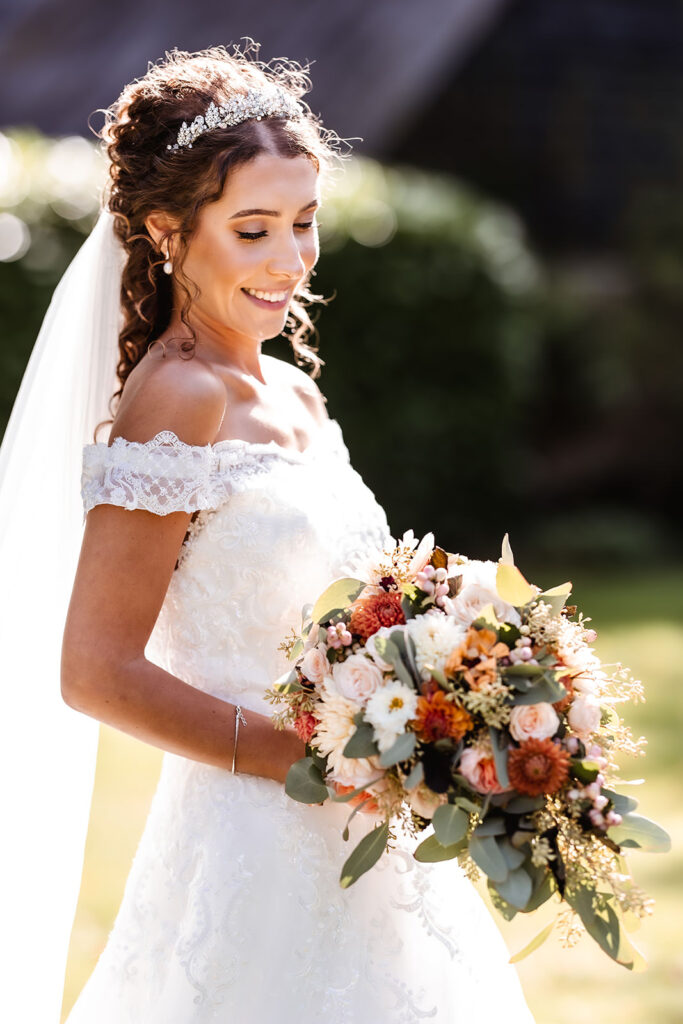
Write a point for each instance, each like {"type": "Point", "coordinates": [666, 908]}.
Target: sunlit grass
{"type": "Point", "coordinates": [639, 619]}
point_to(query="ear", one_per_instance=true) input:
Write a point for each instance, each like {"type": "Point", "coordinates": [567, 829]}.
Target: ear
{"type": "Point", "coordinates": [160, 225]}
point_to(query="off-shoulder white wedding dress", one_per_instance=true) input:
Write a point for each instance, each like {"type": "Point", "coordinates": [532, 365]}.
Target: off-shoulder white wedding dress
{"type": "Point", "coordinates": [232, 911]}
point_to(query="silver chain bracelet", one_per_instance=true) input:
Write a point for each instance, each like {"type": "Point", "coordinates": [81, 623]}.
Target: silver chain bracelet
{"type": "Point", "coordinates": [239, 717]}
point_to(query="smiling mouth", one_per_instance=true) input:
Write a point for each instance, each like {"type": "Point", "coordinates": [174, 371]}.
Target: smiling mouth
{"type": "Point", "coordinates": [267, 300]}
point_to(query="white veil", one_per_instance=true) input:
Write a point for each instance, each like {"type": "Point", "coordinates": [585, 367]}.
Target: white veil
{"type": "Point", "coordinates": [48, 751]}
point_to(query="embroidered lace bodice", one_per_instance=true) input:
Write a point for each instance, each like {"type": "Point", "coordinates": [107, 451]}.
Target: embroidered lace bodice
{"type": "Point", "coordinates": [233, 912]}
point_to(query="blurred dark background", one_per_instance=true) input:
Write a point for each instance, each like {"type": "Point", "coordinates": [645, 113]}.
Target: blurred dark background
{"type": "Point", "coordinates": [505, 250]}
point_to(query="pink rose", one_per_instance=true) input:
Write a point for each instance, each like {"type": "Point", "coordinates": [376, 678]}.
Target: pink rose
{"type": "Point", "coordinates": [533, 721]}
{"type": "Point", "coordinates": [357, 678]}
{"type": "Point", "coordinates": [479, 768]}
{"type": "Point", "coordinates": [315, 665]}
{"type": "Point", "coordinates": [584, 714]}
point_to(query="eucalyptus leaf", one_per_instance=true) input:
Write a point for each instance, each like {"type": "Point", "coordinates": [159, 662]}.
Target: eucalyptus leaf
{"type": "Point", "coordinates": [537, 941]}
{"type": "Point", "coordinates": [600, 921]}
{"type": "Point", "coordinates": [641, 833]}
{"type": "Point", "coordinates": [357, 808]}
{"type": "Point", "coordinates": [366, 854]}
{"type": "Point", "coordinates": [512, 587]}
{"type": "Point", "coordinates": [516, 888]}
{"type": "Point", "coordinates": [431, 851]}
{"type": "Point", "coordinates": [514, 858]}
{"type": "Point", "coordinates": [504, 908]}
{"type": "Point", "coordinates": [542, 891]}
{"type": "Point", "coordinates": [467, 804]}
{"type": "Point", "coordinates": [400, 750]}
{"type": "Point", "coordinates": [487, 618]}
{"type": "Point", "coordinates": [450, 824]}
{"type": "Point", "coordinates": [338, 596]}
{"type": "Point", "coordinates": [506, 557]}
{"type": "Point", "coordinates": [492, 826]}
{"type": "Point", "coordinates": [500, 743]}
{"type": "Point", "coordinates": [362, 743]}
{"type": "Point", "coordinates": [522, 669]}
{"type": "Point", "coordinates": [556, 597]}
{"type": "Point", "coordinates": [622, 804]}
{"type": "Point", "coordinates": [585, 770]}
{"type": "Point", "coordinates": [486, 855]}
{"type": "Point", "coordinates": [524, 804]}
{"type": "Point", "coordinates": [547, 690]}
{"type": "Point", "coordinates": [415, 777]}
{"type": "Point", "coordinates": [304, 782]}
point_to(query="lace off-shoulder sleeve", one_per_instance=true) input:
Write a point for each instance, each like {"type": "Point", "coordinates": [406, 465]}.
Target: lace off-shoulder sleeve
{"type": "Point", "coordinates": [162, 475]}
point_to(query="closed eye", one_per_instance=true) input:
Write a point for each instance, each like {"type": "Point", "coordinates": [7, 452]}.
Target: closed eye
{"type": "Point", "coordinates": [251, 236]}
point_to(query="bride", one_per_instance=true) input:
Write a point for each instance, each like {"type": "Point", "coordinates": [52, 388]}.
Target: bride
{"type": "Point", "coordinates": [223, 501]}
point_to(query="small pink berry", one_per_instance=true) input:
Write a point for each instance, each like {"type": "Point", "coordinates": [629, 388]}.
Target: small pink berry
{"type": "Point", "coordinates": [600, 802]}
{"type": "Point", "coordinates": [593, 790]}
{"type": "Point", "coordinates": [441, 574]}
{"type": "Point", "coordinates": [612, 818]}
{"type": "Point", "coordinates": [597, 818]}
{"type": "Point", "coordinates": [590, 635]}
{"type": "Point", "coordinates": [573, 745]}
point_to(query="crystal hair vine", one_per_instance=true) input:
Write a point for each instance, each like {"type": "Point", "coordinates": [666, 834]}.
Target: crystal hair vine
{"type": "Point", "coordinates": [256, 103]}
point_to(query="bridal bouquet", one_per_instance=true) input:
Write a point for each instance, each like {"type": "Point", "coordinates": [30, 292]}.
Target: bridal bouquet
{"type": "Point", "coordinates": [438, 690]}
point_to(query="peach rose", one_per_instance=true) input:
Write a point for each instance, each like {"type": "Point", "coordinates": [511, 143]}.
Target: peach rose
{"type": "Point", "coordinates": [424, 801]}
{"type": "Point", "coordinates": [479, 768]}
{"type": "Point", "coordinates": [315, 665]}
{"type": "Point", "coordinates": [357, 678]}
{"type": "Point", "coordinates": [533, 721]}
{"type": "Point", "coordinates": [584, 714]}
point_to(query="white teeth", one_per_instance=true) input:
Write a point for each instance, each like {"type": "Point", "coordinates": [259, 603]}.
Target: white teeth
{"type": "Point", "coordinates": [268, 296]}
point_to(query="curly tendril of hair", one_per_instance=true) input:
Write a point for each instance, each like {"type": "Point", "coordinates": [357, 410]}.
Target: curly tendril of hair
{"type": "Point", "coordinates": [146, 176]}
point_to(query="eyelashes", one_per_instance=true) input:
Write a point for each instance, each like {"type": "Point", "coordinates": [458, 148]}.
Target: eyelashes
{"type": "Point", "coordinates": [251, 236]}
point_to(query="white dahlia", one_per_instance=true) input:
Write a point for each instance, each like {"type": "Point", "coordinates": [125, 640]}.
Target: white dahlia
{"type": "Point", "coordinates": [335, 729]}
{"type": "Point", "coordinates": [435, 637]}
{"type": "Point", "coordinates": [389, 709]}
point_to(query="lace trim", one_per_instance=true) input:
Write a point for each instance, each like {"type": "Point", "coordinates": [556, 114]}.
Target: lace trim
{"type": "Point", "coordinates": [165, 474]}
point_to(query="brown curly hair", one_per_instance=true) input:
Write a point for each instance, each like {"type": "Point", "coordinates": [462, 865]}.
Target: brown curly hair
{"type": "Point", "coordinates": [145, 175]}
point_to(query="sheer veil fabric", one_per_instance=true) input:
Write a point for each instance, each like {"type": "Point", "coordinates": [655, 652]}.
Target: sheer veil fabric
{"type": "Point", "coordinates": [48, 752]}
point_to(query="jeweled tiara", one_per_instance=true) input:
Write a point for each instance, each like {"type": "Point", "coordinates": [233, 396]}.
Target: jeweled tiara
{"type": "Point", "coordinates": [258, 103]}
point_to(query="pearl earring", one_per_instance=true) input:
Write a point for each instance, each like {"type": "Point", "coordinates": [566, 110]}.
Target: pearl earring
{"type": "Point", "coordinates": [168, 266]}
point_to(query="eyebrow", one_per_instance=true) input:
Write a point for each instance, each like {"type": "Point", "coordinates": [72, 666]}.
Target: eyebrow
{"type": "Point", "coordinates": [271, 213]}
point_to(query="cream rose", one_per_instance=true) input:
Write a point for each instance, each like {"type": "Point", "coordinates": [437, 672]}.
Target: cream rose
{"type": "Point", "coordinates": [533, 721]}
{"type": "Point", "coordinates": [315, 665]}
{"type": "Point", "coordinates": [357, 678]}
{"type": "Point", "coordinates": [467, 606]}
{"type": "Point", "coordinates": [584, 714]}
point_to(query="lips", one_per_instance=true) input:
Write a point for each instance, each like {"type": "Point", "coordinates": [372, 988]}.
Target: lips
{"type": "Point", "coordinates": [268, 303]}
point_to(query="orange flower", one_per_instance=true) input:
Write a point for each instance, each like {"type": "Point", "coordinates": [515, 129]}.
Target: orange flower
{"type": "Point", "coordinates": [370, 808]}
{"type": "Point", "coordinates": [438, 717]}
{"type": "Point", "coordinates": [538, 766]}
{"type": "Point", "coordinates": [477, 658]}
{"type": "Point", "coordinates": [563, 703]}
{"type": "Point", "coordinates": [371, 614]}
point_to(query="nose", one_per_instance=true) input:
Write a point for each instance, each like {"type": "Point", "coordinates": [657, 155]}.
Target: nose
{"type": "Point", "coordinates": [287, 262]}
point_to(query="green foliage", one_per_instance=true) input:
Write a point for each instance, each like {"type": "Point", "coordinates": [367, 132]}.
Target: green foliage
{"type": "Point", "coordinates": [366, 854]}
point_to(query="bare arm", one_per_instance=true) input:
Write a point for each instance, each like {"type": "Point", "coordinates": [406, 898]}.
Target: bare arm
{"type": "Point", "coordinates": [126, 563]}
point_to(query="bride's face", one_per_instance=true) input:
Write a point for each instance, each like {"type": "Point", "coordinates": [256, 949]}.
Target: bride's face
{"type": "Point", "coordinates": [256, 244]}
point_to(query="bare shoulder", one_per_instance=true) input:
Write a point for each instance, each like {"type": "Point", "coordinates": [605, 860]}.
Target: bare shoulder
{"type": "Point", "coordinates": [177, 393]}
{"type": "Point", "coordinates": [302, 384]}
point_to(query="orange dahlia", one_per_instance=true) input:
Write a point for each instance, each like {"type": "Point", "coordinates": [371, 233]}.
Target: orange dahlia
{"type": "Point", "coordinates": [370, 614]}
{"type": "Point", "coordinates": [437, 717]}
{"type": "Point", "coordinates": [538, 766]}
{"type": "Point", "coordinates": [477, 658]}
